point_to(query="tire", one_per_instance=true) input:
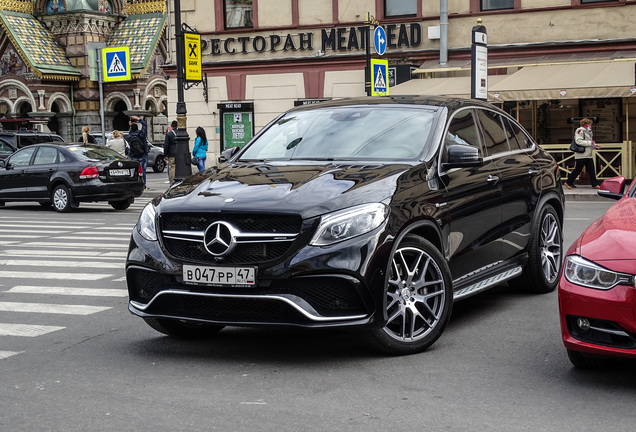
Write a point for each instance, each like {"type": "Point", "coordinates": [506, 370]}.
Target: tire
{"type": "Point", "coordinates": [418, 299]}
{"type": "Point", "coordinates": [122, 204]}
{"type": "Point", "coordinates": [62, 199]}
{"type": "Point", "coordinates": [545, 255]}
{"type": "Point", "coordinates": [183, 329]}
{"type": "Point", "coordinates": [159, 165]}
{"type": "Point", "coordinates": [588, 361]}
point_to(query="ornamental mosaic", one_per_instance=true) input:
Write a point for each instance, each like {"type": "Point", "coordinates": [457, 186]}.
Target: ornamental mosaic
{"type": "Point", "coordinates": [139, 35]}
{"type": "Point", "coordinates": [36, 41]}
{"type": "Point", "coordinates": [11, 63]}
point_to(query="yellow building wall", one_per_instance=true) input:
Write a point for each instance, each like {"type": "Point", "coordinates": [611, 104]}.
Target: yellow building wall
{"type": "Point", "coordinates": [312, 12]}
{"type": "Point", "coordinates": [277, 13]}
{"type": "Point", "coordinates": [354, 10]}
{"type": "Point", "coordinates": [339, 84]}
{"type": "Point", "coordinates": [273, 94]}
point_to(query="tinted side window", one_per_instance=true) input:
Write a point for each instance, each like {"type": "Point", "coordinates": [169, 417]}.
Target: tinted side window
{"type": "Point", "coordinates": [518, 139]}
{"type": "Point", "coordinates": [495, 139]}
{"type": "Point", "coordinates": [22, 158]}
{"type": "Point", "coordinates": [26, 140]}
{"type": "Point", "coordinates": [463, 130]}
{"type": "Point", "coordinates": [45, 155]}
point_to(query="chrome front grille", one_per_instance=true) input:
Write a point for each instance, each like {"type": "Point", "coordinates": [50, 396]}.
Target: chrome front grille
{"type": "Point", "coordinates": [254, 238]}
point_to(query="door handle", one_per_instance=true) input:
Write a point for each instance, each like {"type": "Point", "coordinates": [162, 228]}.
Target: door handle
{"type": "Point", "coordinates": [492, 179]}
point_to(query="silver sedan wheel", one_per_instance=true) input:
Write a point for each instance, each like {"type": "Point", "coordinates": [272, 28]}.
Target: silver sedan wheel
{"type": "Point", "coordinates": [416, 295]}
{"type": "Point", "coordinates": [61, 199]}
{"type": "Point", "coordinates": [550, 244]}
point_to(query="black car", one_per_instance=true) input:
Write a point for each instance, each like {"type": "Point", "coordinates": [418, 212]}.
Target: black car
{"type": "Point", "coordinates": [373, 214]}
{"type": "Point", "coordinates": [66, 174]}
{"type": "Point", "coordinates": [6, 149]}
{"type": "Point", "coordinates": [25, 138]}
{"type": "Point", "coordinates": [156, 160]}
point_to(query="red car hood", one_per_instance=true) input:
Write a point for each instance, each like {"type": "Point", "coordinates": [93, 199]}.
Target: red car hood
{"type": "Point", "coordinates": [613, 236]}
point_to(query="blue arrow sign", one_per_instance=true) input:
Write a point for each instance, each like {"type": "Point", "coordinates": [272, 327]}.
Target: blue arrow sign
{"type": "Point", "coordinates": [379, 40]}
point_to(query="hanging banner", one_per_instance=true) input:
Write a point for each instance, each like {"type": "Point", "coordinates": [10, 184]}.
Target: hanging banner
{"type": "Point", "coordinates": [193, 68]}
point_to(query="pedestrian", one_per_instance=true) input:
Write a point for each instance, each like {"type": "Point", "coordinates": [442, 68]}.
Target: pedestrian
{"type": "Point", "coordinates": [117, 143]}
{"type": "Point", "coordinates": [87, 138]}
{"type": "Point", "coordinates": [170, 149]}
{"type": "Point", "coordinates": [138, 141]}
{"type": "Point", "coordinates": [200, 149]}
{"type": "Point", "coordinates": [583, 137]}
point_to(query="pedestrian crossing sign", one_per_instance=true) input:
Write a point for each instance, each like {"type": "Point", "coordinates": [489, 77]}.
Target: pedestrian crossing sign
{"type": "Point", "coordinates": [379, 77]}
{"type": "Point", "coordinates": [116, 64]}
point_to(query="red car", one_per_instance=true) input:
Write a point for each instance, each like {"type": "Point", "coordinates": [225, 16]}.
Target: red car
{"type": "Point", "coordinates": [597, 292]}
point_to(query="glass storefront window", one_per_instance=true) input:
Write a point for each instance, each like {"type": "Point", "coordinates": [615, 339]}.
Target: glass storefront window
{"type": "Point", "coordinates": [399, 7]}
{"type": "Point", "coordinates": [238, 13]}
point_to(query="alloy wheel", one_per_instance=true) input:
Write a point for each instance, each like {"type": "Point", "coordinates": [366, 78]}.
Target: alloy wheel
{"type": "Point", "coordinates": [551, 245]}
{"type": "Point", "coordinates": [415, 295]}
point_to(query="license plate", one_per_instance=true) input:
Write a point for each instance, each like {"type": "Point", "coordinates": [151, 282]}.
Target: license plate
{"type": "Point", "coordinates": [120, 172]}
{"type": "Point", "coordinates": [236, 276]}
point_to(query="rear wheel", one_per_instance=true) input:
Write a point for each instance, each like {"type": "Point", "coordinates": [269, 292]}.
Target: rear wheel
{"type": "Point", "coordinates": [183, 329]}
{"type": "Point", "coordinates": [160, 164]}
{"type": "Point", "coordinates": [122, 204]}
{"type": "Point", "coordinates": [588, 361]}
{"type": "Point", "coordinates": [62, 198]}
{"type": "Point", "coordinates": [545, 255]}
{"type": "Point", "coordinates": [418, 299]}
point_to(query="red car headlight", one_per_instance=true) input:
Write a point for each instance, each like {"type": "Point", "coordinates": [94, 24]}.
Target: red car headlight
{"type": "Point", "coordinates": [580, 271]}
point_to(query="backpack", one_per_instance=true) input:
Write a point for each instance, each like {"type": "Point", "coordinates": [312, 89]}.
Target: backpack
{"type": "Point", "coordinates": [137, 148]}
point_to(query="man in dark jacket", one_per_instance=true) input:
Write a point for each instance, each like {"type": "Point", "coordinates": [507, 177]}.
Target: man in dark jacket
{"type": "Point", "coordinates": [170, 149]}
{"type": "Point", "coordinates": [142, 133]}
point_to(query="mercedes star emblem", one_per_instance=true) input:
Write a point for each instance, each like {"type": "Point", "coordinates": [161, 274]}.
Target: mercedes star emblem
{"type": "Point", "coordinates": [219, 238]}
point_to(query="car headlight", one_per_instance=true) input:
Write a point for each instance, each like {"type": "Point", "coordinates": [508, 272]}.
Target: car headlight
{"type": "Point", "coordinates": [349, 223]}
{"type": "Point", "coordinates": [580, 271]}
{"type": "Point", "coordinates": [146, 223]}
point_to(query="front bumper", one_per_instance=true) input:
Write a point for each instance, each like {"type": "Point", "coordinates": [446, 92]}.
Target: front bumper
{"type": "Point", "coordinates": [338, 286]}
{"type": "Point", "coordinates": [610, 314]}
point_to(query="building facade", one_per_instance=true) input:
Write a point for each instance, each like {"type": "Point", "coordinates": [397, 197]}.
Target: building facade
{"type": "Point", "coordinates": [48, 64]}
{"type": "Point", "coordinates": [550, 62]}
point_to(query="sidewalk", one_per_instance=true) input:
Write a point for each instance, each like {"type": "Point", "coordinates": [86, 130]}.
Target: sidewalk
{"type": "Point", "coordinates": [582, 193]}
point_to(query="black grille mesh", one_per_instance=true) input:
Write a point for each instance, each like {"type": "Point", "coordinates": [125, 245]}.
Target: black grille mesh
{"type": "Point", "coordinates": [253, 253]}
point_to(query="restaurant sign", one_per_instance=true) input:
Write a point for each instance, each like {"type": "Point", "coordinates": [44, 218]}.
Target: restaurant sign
{"type": "Point", "coordinates": [398, 36]}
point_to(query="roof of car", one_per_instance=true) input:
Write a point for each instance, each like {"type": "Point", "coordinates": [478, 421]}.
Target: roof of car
{"type": "Point", "coordinates": [426, 100]}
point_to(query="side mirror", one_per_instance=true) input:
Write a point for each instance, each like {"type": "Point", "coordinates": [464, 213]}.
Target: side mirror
{"type": "Point", "coordinates": [227, 154]}
{"type": "Point", "coordinates": [462, 156]}
{"type": "Point", "coordinates": [3, 164]}
{"type": "Point", "coordinates": [612, 188]}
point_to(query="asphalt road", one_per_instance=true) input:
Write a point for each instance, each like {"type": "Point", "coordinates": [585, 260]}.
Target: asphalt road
{"type": "Point", "coordinates": [73, 359]}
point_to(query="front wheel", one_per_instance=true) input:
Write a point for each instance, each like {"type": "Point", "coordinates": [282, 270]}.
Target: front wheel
{"type": "Point", "coordinates": [418, 299]}
{"type": "Point", "coordinates": [181, 329]}
{"type": "Point", "coordinates": [545, 255]}
{"type": "Point", "coordinates": [160, 164]}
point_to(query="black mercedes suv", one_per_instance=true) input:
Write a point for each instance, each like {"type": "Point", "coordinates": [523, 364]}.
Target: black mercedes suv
{"type": "Point", "coordinates": [373, 214]}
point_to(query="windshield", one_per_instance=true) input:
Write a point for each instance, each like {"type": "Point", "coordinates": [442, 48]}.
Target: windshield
{"type": "Point", "coordinates": [94, 153]}
{"type": "Point", "coordinates": [375, 132]}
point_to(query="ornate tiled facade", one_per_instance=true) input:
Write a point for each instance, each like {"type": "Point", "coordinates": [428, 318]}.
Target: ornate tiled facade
{"type": "Point", "coordinates": [48, 54]}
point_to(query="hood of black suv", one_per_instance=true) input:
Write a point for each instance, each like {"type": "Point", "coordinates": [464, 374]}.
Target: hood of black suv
{"type": "Point", "coordinates": [308, 189]}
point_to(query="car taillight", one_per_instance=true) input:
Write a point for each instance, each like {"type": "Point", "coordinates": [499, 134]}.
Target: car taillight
{"type": "Point", "coordinates": [139, 170]}
{"type": "Point", "coordinates": [89, 173]}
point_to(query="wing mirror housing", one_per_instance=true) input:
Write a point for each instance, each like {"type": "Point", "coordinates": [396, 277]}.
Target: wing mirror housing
{"type": "Point", "coordinates": [227, 154]}
{"type": "Point", "coordinates": [462, 156]}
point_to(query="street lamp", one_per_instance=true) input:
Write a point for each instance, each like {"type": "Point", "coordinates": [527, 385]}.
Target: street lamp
{"type": "Point", "coordinates": [182, 168]}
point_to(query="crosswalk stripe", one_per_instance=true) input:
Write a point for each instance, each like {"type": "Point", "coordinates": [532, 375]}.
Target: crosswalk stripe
{"type": "Point", "coordinates": [52, 275]}
{"type": "Point", "coordinates": [32, 231]}
{"type": "Point", "coordinates": [7, 354]}
{"type": "Point", "coordinates": [67, 254]}
{"type": "Point", "coordinates": [87, 245]}
{"type": "Point", "coordinates": [26, 330]}
{"type": "Point", "coordinates": [51, 308]}
{"type": "Point", "coordinates": [92, 292]}
{"type": "Point", "coordinates": [40, 263]}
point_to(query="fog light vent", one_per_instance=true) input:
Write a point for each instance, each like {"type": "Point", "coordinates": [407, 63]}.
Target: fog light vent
{"type": "Point", "coordinates": [583, 324]}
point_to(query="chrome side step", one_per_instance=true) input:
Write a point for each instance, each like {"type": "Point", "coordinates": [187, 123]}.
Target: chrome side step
{"type": "Point", "coordinates": [486, 283]}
